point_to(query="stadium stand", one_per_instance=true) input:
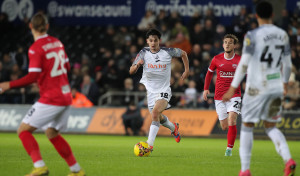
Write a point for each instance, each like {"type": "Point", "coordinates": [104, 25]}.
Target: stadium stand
{"type": "Point", "coordinates": [105, 53]}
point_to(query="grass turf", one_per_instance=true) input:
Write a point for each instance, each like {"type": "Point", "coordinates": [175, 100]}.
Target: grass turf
{"type": "Point", "coordinates": [113, 155]}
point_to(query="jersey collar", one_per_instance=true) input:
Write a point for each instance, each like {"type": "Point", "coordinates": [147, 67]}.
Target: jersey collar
{"type": "Point", "coordinates": [229, 58]}
{"type": "Point", "coordinates": [42, 36]}
{"type": "Point", "coordinates": [152, 52]}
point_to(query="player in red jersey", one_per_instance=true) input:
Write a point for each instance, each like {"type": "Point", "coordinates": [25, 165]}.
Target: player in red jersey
{"type": "Point", "coordinates": [225, 64]}
{"type": "Point", "coordinates": [48, 66]}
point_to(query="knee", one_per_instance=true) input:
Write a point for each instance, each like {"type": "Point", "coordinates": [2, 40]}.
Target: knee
{"type": "Point", "coordinates": [224, 128]}
{"type": "Point", "coordinates": [155, 115]}
{"type": "Point", "coordinates": [269, 124]}
{"type": "Point", "coordinates": [25, 127]}
{"type": "Point", "coordinates": [19, 131]}
{"type": "Point", "coordinates": [51, 133]}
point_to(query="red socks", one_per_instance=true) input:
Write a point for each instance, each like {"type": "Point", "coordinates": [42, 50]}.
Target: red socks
{"type": "Point", "coordinates": [31, 146]}
{"type": "Point", "coordinates": [231, 135]}
{"type": "Point", "coordinates": [64, 149]}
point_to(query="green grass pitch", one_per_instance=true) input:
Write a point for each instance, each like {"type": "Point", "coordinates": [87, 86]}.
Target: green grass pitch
{"type": "Point", "coordinates": [113, 155]}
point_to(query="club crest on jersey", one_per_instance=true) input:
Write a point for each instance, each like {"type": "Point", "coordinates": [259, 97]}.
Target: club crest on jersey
{"type": "Point", "coordinates": [157, 66]}
{"type": "Point", "coordinates": [234, 65]}
{"type": "Point", "coordinates": [156, 58]}
{"type": "Point", "coordinates": [226, 74]}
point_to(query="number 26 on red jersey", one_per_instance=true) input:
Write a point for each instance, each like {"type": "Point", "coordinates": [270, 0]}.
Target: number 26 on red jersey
{"type": "Point", "coordinates": [59, 59]}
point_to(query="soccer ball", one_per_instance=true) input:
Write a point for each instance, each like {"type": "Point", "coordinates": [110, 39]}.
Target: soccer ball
{"type": "Point", "coordinates": [141, 149]}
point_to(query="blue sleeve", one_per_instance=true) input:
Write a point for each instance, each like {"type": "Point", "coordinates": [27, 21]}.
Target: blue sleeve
{"type": "Point", "coordinates": [249, 43]}
{"type": "Point", "coordinates": [174, 52]}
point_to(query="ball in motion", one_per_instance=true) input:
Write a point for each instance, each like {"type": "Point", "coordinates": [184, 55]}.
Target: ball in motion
{"type": "Point", "coordinates": [142, 149]}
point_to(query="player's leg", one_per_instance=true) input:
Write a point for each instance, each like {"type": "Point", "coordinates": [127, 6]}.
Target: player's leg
{"type": "Point", "coordinates": [271, 117]}
{"type": "Point", "coordinates": [246, 143]}
{"type": "Point", "coordinates": [222, 114]}
{"type": "Point", "coordinates": [232, 132]}
{"type": "Point", "coordinates": [174, 127]}
{"type": "Point", "coordinates": [63, 148]}
{"type": "Point", "coordinates": [159, 107]}
{"type": "Point", "coordinates": [32, 148]}
{"type": "Point", "coordinates": [33, 120]}
{"type": "Point", "coordinates": [164, 120]}
{"type": "Point", "coordinates": [233, 109]}
{"type": "Point", "coordinates": [251, 113]}
{"type": "Point", "coordinates": [223, 119]}
{"type": "Point", "coordinates": [281, 146]}
{"type": "Point", "coordinates": [60, 144]}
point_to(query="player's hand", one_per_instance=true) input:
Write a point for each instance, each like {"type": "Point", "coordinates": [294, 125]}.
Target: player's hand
{"type": "Point", "coordinates": [205, 93]}
{"type": "Point", "coordinates": [285, 89]}
{"type": "Point", "coordinates": [4, 87]}
{"type": "Point", "coordinates": [140, 62]}
{"type": "Point", "coordinates": [185, 75]}
{"type": "Point", "coordinates": [228, 95]}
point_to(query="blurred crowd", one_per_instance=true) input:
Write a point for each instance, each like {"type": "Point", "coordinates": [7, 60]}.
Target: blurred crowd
{"type": "Point", "coordinates": [101, 56]}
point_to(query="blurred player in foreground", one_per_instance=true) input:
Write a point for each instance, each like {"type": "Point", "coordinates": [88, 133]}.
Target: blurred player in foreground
{"type": "Point", "coordinates": [48, 65]}
{"type": "Point", "coordinates": [267, 61]}
{"type": "Point", "coordinates": [225, 64]}
{"type": "Point", "coordinates": [156, 62]}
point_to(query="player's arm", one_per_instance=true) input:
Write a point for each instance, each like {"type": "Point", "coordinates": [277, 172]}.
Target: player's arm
{"type": "Point", "coordinates": [238, 76]}
{"type": "Point", "coordinates": [30, 78]}
{"type": "Point", "coordinates": [135, 67]}
{"type": "Point", "coordinates": [208, 78]}
{"type": "Point", "coordinates": [139, 60]}
{"type": "Point", "coordinates": [286, 67]}
{"type": "Point", "coordinates": [185, 61]}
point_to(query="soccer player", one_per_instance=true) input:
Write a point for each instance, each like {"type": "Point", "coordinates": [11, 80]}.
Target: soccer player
{"type": "Point", "coordinates": [267, 61]}
{"type": "Point", "coordinates": [48, 66]}
{"type": "Point", "coordinates": [225, 64]}
{"type": "Point", "coordinates": [156, 63]}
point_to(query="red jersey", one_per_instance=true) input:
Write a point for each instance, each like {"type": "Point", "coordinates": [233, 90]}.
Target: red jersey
{"type": "Point", "coordinates": [47, 56]}
{"type": "Point", "coordinates": [225, 73]}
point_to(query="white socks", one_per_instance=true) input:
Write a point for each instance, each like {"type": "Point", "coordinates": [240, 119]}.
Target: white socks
{"type": "Point", "coordinates": [39, 163]}
{"type": "Point", "coordinates": [280, 143]}
{"type": "Point", "coordinates": [153, 132]}
{"type": "Point", "coordinates": [166, 123]}
{"type": "Point", "coordinates": [75, 168]}
{"type": "Point", "coordinates": [246, 142]}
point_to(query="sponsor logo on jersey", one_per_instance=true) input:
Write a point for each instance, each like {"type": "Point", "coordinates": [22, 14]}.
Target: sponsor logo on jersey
{"type": "Point", "coordinates": [226, 74]}
{"type": "Point", "coordinates": [234, 65]}
{"type": "Point", "coordinates": [221, 65]}
{"type": "Point", "coordinates": [157, 65]}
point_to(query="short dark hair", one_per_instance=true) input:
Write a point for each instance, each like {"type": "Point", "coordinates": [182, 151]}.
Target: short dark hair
{"type": "Point", "coordinates": [235, 39]}
{"type": "Point", "coordinates": [153, 32]}
{"type": "Point", "coordinates": [264, 10]}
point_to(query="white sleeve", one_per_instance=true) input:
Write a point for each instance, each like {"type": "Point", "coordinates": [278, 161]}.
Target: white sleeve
{"type": "Point", "coordinates": [286, 68]}
{"type": "Point", "coordinates": [241, 70]}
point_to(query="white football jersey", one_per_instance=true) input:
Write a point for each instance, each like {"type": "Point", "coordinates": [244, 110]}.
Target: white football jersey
{"type": "Point", "coordinates": [266, 51]}
{"type": "Point", "coordinates": [157, 68]}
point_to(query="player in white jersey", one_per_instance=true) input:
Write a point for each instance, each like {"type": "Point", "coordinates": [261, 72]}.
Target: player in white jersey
{"type": "Point", "coordinates": [156, 62]}
{"type": "Point", "coordinates": [266, 59]}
